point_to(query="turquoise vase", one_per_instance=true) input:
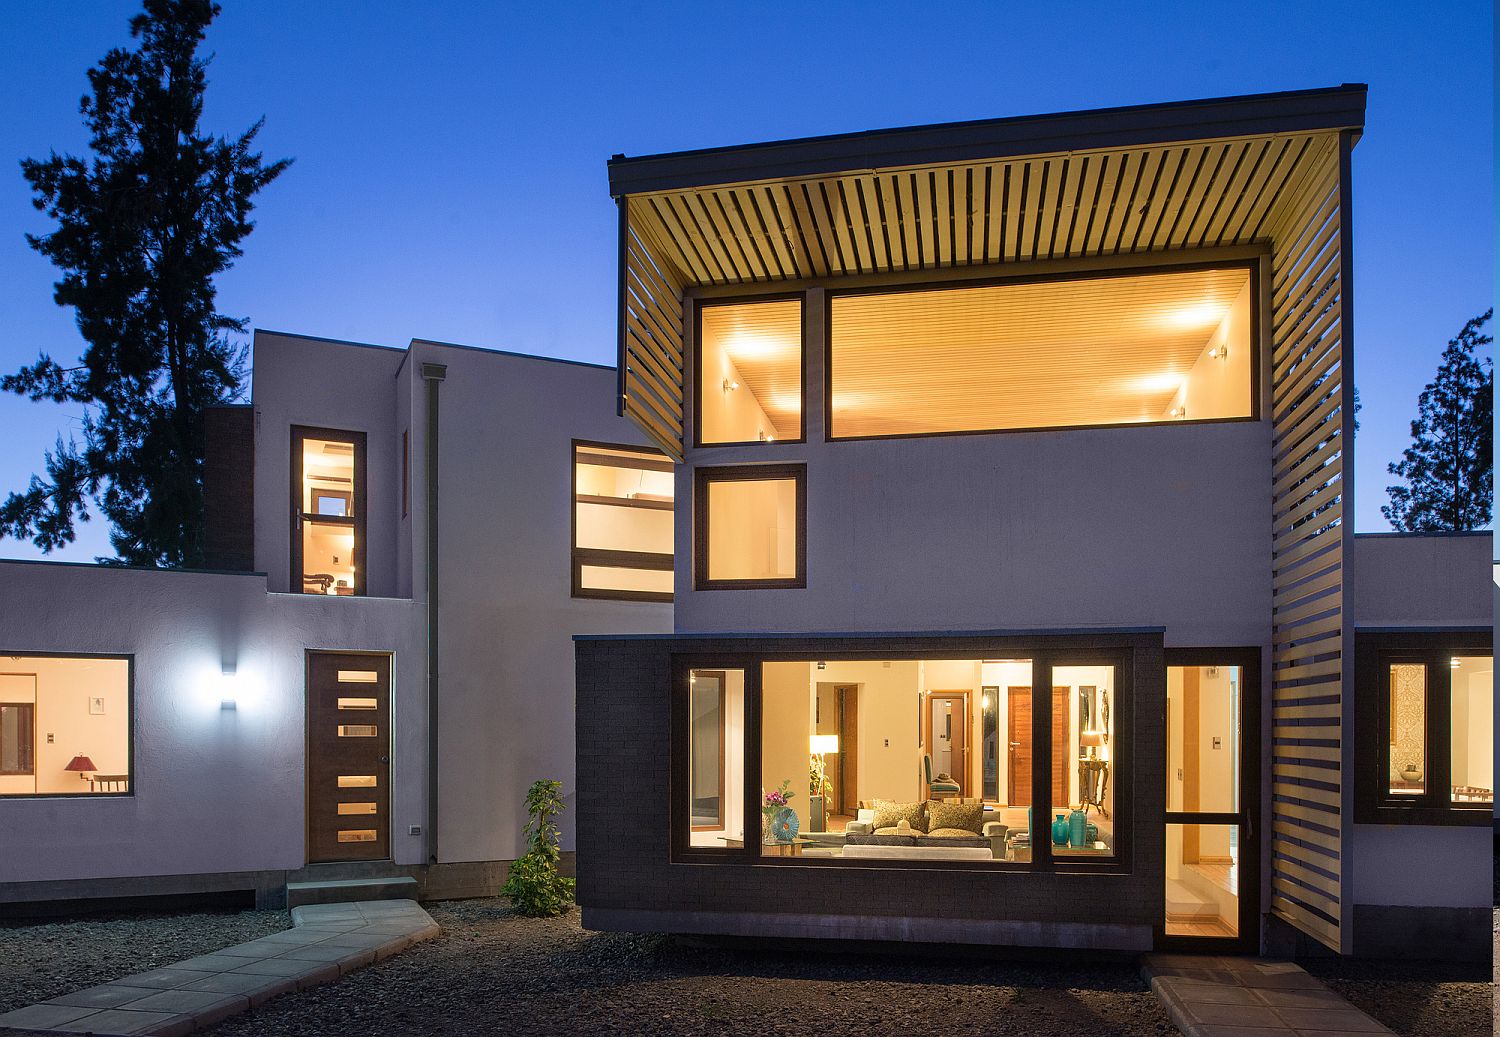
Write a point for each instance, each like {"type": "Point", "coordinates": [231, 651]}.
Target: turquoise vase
{"type": "Point", "coordinates": [1092, 833]}
{"type": "Point", "coordinates": [1078, 830]}
{"type": "Point", "coordinates": [1060, 830]}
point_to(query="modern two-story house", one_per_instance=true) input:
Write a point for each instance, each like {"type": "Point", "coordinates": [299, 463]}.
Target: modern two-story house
{"type": "Point", "coordinates": [1015, 599]}
{"type": "Point", "coordinates": [404, 541]}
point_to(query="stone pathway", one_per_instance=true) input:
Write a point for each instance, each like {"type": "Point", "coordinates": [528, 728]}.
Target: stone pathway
{"type": "Point", "coordinates": [1250, 997]}
{"type": "Point", "coordinates": [326, 941]}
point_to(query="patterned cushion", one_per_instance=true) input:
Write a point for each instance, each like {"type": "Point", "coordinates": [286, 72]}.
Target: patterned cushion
{"type": "Point", "coordinates": [968, 816]}
{"type": "Point", "coordinates": [952, 837]}
{"type": "Point", "coordinates": [876, 839]}
{"type": "Point", "coordinates": [888, 813]}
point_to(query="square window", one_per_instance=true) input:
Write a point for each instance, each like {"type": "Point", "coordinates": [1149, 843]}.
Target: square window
{"type": "Point", "coordinates": [751, 527]}
{"type": "Point", "coordinates": [750, 372]}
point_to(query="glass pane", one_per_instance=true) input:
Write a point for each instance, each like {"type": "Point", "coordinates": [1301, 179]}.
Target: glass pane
{"type": "Point", "coordinates": [327, 557]}
{"type": "Point", "coordinates": [750, 366]}
{"type": "Point", "coordinates": [612, 578]}
{"type": "Point", "coordinates": [327, 475]}
{"type": "Point", "coordinates": [65, 726]}
{"type": "Point", "coordinates": [881, 760]}
{"type": "Point", "coordinates": [1203, 880]}
{"type": "Point", "coordinates": [752, 529]}
{"type": "Point", "coordinates": [1139, 348]}
{"type": "Point", "coordinates": [624, 499]}
{"type": "Point", "coordinates": [1473, 729]}
{"type": "Point", "coordinates": [990, 745]}
{"type": "Point", "coordinates": [716, 758]}
{"type": "Point", "coordinates": [1082, 788]}
{"type": "Point", "coordinates": [1203, 738]}
{"type": "Point", "coordinates": [328, 490]}
{"type": "Point", "coordinates": [1408, 731]}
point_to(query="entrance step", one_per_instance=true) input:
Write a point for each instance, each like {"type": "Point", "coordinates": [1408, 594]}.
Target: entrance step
{"type": "Point", "coordinates": [348, 891]}
{"type": "Point", "coordinates": [1211, 996]}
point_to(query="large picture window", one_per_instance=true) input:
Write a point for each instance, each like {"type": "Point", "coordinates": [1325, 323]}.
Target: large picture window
{"type": "Point", "coordinates": [622, 522]}
{"type": "Point", "coordinates": [902, 761]}
{"type": "Point", "coordinates": [1104, 350]}
{"type": "Point", "coordinates": [750, 371]}
{"type": "Point", "coordinates": [750, 527]}
{"type": "Point", "coordinates": [328, 510]}
{"type": "Point", "coordinates": [1427, 727]}
{"type": "Point", "coordinates": [64, 725]}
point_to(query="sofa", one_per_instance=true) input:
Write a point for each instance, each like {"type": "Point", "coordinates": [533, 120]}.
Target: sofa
{"type": "Point", "coordinates": [925, 829]}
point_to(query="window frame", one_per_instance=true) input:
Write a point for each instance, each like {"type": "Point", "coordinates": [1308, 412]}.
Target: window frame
{"type": "Point", "coordinates": [1375, 651]}
{"type": "Point", "coordinates": [581, 556]}
{"type": "Point", "coordinates": [703, 478]}
{"type": "Point", "coordinates": [29, 711]}
{"type": "Point", "coordinates": [130, 727]}
{"type": "Point", "coordinates": [357, 520]}
{"type": "Point", "coordinates": [1257, 290]}
{"type": "Point", "coordinates": [699, 305]}
{"type": "Point", "coordinates": [1046, 653]}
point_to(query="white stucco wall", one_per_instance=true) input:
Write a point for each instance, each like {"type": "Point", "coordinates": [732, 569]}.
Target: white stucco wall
{"type": "Point", "coordinates": [1440, 580]}
{"type": "Point", "coordinates": [214, 790]}
{"type": "Point", "coordinates": [1132, 526]}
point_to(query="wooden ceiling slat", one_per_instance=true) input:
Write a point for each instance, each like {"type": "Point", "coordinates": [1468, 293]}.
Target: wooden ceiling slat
{"type": "Point", "coordinates": [1104, 187]}
{"type": "Point", "coordinates": [994, 180]}
{"type": "Point", "coordinates": [913, 205]}
{"type": "Point", "coordinates": [1134, 200]}
{"type": "Point", "coordinates": [1294, 257]}
{"type": "Point", "coordinates": [1051, 201]}
{"type": "Point", "coordinates": [1176, 197]}
{"type": "Point", "coordinates": [859, 237]}
{"type": "Point", "coordinates": [1112, 216]}
{"type": "Point", "coordinates": [714, 223]}
{"type": "Point", "coordinates": [1312, 181]}
{"type": "Point", "coordinates": [1245, 204]}
{"type": "Point", "coordinates": [658, 213]}
{"type": "Point", "coordinates": [1210, 156]}
{"type": "Point", "coordinates": [779, 203]}
{"type": "Point", "coordinates": [869, 208]}
{"type": "Point", "coordinates": [823, 259]}
{"type": "Point", "coordinates": [942, 216]}
{"type": "Point", "coordinates": [1234, 190]}
{"type": "Point", "coordinates": [1213, 201]}
{"type": "Point", "coordinates": [693, 218]}
{"type": "Point", "coordinates": [974, 213]}
{"type": "Point", "coordinates": [768, 230]}
{"type": "Point", "coordinates": [1154, 204]}
{"type": "Point", "coordinates": [826, 205]}
{"type": "Point", "coordinates": [1083, 206]}
{"type": "Point", "coordinates": [1255, 226]}
{"type": "Point", "coordinates": [901, 184]}
{"type": "Point", "coordinates": [1067, 219]}
{"type": "Point", "coordinates": [891, 210]}
{"type": "Point", "coordinates": [665, 262]}
{"type": "Point", "coordinates": [727, 217]}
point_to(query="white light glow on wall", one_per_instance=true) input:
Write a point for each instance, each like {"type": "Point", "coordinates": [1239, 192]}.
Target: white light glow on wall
{"type": "Point", "coordinates": [1200, 316]}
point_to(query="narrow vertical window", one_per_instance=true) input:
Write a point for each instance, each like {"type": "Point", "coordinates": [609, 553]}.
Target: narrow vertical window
{"type": "Point", "coordinates": [1083, 744]}
{"type": "Point", "coordinates": [715, 790]}
{"type": "Point", "coordinates": [328, 507]}
{"type": "Point", "coordinates": [1407, 762]}
{"type": "Point", "coordinates": [750, 372]}
{"type": "Point", "coordinates": [1473, 730]}
{"type": "Point", "coordinates": [622, 522]}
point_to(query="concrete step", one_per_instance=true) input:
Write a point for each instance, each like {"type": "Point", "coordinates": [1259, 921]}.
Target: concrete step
{"type": "Point", "coordinates": [346, 891]}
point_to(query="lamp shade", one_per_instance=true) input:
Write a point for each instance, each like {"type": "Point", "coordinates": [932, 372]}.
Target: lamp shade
{"type": "Point", "coordinates": [1091, 738]}
{"type": "Point", "coordinates": [80, 763]}
{"type": "Point", "coordinates": [822, 744]}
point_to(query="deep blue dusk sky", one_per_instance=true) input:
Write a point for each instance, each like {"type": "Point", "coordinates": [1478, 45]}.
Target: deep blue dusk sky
{"type": "Point", "coordinates": [450, 180]}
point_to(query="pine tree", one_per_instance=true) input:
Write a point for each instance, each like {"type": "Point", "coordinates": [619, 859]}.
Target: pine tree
{"type": "Point", "coordinates": [143, 227]}
{"type": "Point", "coordinates": [1449, 468]}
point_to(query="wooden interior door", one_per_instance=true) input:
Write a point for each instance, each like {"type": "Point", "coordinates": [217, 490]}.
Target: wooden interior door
{"type": "Point", "coordinates": [1062, 758]}
{"type": "Point", "coordinates": [848, 790]}
{"type": "Point", "coordinates": [1018, 728]}
{"type": "Point", "coordinates": [348, 757]}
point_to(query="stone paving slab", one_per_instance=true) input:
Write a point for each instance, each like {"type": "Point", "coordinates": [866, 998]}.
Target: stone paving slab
{"type": "Point", "coordinates": [1250, 997]}
{"type": "Point", "coordinates": [326, 942]}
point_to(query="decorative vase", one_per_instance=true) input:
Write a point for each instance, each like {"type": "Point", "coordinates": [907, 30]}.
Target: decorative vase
{"type": "Point", "coordinates": [1078, 829]}
{"type": "Point", "coordinates": [1411, 772]}
{"type": "Point", "coordinates": [1060, 830]}
{"type": "Point", "coordinates": [767, 831]}
{"type": "Point", "coordinates": [1091, 832]}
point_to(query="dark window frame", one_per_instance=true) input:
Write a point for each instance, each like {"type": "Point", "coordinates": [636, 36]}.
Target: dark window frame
{"type": "Point", "coordinates": [581, 556]}
{"type": "Point", "coordinates": [703, 478]}
{"type": "Point", "coordinates": [27, 750]}
{"type": "Point", "coordinates": [1046, 652]}
{"type": "Point", "coordinates": [357, 520]}
{"type": "Point", "coordinates": [130, 728]}
{"type": "Point", "coordinates": [1374, 652]}
{"type": "Point", "coordinates": [699, 305]}
{"type": "Point", "coordinates": [1257, 289]}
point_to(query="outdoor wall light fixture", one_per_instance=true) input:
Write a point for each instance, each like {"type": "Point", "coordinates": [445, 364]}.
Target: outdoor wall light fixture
{"type": "Point", "coordinates": [228, 690]}
{"type": "Point", "coordinates": [730, 385]}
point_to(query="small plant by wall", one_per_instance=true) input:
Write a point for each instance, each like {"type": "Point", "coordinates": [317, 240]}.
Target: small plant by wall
{"type": "Point", "coordinates": [533, 885]}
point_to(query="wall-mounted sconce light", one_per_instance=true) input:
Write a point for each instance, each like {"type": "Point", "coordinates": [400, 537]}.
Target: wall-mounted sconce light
{"type": "Point", "coordinates": [822, 666]}
{"type": "Point", "coordinates": [730, 386]}
{"type": "Point", "coordinates": [1454, 663]}
{"type": "Point", "coordinates": [228, 691]}
{"type": "Point", "coordinates": [1178, 412]}
{"type": "Point", "coordinates": [1219, 353]}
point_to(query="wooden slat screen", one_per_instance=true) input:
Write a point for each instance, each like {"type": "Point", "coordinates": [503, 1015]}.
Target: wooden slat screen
{"type": "Point", "coordinates": [1310, 679]}
{"type": "Point", "coordinates": [651, 339]}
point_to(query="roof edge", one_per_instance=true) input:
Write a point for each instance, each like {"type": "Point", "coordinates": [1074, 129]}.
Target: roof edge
{"type": "Point", "coordinates": [1323, 108]}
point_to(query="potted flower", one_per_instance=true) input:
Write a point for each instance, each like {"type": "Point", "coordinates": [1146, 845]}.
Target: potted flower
{"type": "Point", "coordinates": [771, 803]}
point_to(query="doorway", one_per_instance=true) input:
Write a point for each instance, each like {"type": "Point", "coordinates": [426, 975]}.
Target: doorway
{"type": "Point", "coordinates": [1018, 718]}
{"type": "Point", "coordinates": [836, 712]}
{"type": "Point", "coordinates": [1213, 798]}
{"type": "Point", "coordinates": [348, 757]}
{"type": "Point", "coordinates": [947, 743]}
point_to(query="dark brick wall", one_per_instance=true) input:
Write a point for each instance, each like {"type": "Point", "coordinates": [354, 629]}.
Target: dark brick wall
{"type": "Point", "coordinates": [229, 488]}
{"type": "Point", "coordinates": [625, 869]}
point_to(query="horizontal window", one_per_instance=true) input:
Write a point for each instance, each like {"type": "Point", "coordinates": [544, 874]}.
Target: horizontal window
{"type": "Point", "coordinates": [622, 522]}
{"type": "Point", "coordinates": [64, 726]}
{"type": "Point", "coordinates": [751, 526]}
{"type": "Point", "coordinates": [749, 371]}
{"type": "Point", "coordinates": [1114, 350]}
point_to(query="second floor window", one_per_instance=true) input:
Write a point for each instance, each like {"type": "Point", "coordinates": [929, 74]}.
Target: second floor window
{"type": "Point", "coordinates": [622, 522]}
{"type": "Point", "coordinates": [750, 371]}
{"type": "Point", "coordinates": [328, 511]}
{"type": "Point", "coordinates": [1123, 349]}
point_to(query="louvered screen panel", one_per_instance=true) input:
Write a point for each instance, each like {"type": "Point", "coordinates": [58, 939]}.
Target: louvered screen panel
{"type": "Point", "coordinates": [650, 333]}
{"type": "Point", "coordinates": [1310, 636]}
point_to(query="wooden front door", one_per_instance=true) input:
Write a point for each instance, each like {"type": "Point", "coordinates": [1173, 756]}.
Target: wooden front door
{"type": "Point", "coordinates": [1019, 772]}
{"type": "Point", "coordinates": [348, 757]}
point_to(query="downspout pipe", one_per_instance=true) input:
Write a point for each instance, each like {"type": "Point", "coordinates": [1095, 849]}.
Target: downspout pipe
{"type": "Point", "coordinates": [433, 375]}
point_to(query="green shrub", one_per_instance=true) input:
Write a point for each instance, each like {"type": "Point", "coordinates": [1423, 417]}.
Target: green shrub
{"type": "Point", "coordinates": [534, 887]}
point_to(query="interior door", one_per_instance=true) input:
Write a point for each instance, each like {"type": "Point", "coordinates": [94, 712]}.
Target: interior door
{"type": "Point", "coordinates": [1213, 798]}
{"type": "Point", "coordinates": [948, 736]}
{"type": "Point", "coordinates": [1018, 719]}
{"type": "Point", "coordinates": [348, 757]}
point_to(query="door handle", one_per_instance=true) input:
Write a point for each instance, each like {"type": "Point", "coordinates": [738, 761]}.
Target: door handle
{"type": "Point", "coordinates": [1015, 745]}
{"type": "Point", "coordinates": [385, 759]}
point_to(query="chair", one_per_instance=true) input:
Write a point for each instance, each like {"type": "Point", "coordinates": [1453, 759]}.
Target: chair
{"type": "Point", "coordinates": [109, 783]}
{"type": "Point", "coordinates": [938, 788]}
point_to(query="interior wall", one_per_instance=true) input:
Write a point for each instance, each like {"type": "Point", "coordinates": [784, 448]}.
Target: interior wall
{"type": "Point", "coordinates": [786, 722]}
{"type": "Point", "coordinates": [731, 415]}
{"type": "Point", "coordinates": [1473, 725]}
{"type": "Point", "coordinates": [1220, 388]}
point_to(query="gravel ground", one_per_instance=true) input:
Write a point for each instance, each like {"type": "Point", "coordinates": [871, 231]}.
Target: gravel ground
{"type": "Point", "coordinates": [1414, 998]}
{"type": "Point", "coordinates": [493, 973]}
{"type": "Point", "coordinates": [39, 961]}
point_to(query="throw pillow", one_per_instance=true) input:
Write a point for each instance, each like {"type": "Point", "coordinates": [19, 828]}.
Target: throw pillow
{"type": "Point", "coordinates": [889, 814]}
{"type": "Point", "coordinates": [968, 816]}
